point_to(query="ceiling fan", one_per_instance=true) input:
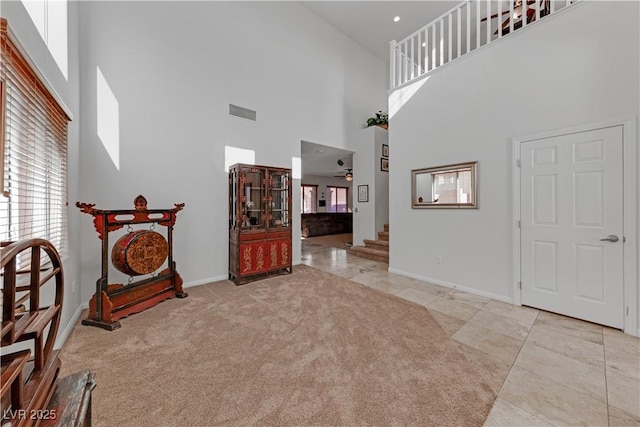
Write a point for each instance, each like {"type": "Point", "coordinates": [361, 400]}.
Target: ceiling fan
{"type": "Point", "coordinates": [348, 176]}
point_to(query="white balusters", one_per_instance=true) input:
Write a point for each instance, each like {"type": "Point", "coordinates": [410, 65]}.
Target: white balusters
{"type": "Point", "coordinates": [450, 38]}
{"type": "Point", "coordinates": [459, 29]}
{"type": "Point", "coordinates": [432, 46]}
{"type": "Point", "coordinates": [478, 17]}
{"type": "Point", "coordinates": [488, 21]}
{"type": "Point", "coordinates": [512, 17]}
{"type": "Point", "coordinates": [420, 68]}
{"type": "Point", "coordinates": [441, 47]}
{"type": "Point", "coordinates": [499, 19]}
{"type": "Point", "coordinates": [468, 27]}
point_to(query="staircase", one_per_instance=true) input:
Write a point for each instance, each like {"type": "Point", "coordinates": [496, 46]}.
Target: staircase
{"type": "Point", "coordinates": [376, 250]}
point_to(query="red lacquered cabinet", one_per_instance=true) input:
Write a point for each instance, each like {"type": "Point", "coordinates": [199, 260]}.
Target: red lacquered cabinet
{"type": "Point", "coordinates": [259, 222]}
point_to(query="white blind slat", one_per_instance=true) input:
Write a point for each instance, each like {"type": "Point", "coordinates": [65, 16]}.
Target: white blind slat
{"type": "Point", "coordinates": [35, 157]}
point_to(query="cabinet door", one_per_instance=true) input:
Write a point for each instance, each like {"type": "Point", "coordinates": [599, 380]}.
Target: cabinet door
{"type": "Point", "coordinates": [254, 258]}
{"type": "Point", "coordinates": [279, 198]}
{"type": "Point", "coordinates": [252, 198]}
{"type": "Point", "coordinates": [279, 253]}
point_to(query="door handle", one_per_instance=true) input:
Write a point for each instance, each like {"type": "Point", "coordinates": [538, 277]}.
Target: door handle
{"type": "Point", "coordinates": [610, 238]}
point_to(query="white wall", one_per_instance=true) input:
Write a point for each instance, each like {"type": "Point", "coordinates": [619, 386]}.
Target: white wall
{"type": "Point", "coordinates": [323, 182]}
{"type": "Point", "coordinates": [578, 67]}
{"type": "Point", "coordinates": [22, 26]}
{"type": "Point", "coordinates": [174, 67]}
{"type": "Point", "coordinates": [369, 217]}
{"type": "Point", "coordinates": [381, 180]}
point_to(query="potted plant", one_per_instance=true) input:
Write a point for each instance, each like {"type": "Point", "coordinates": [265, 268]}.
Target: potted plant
{"type": "Point", "coordinates": [381, 119]}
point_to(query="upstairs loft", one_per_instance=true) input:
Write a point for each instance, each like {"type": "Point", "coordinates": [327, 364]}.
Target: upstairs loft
{"type": "Point", "coordinates": [465, 28]}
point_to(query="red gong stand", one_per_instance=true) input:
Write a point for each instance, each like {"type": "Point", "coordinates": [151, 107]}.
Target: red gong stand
{"type": "Point", "coordinates": [137, 253]}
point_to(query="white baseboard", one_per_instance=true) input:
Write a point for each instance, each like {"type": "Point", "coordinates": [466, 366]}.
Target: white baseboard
{"type": "Point", "coordinates": [502, 298]}
{"type": "Point", "coordinates": [204, 281]}
{"type": "Point", "coordinates": [60, 340]}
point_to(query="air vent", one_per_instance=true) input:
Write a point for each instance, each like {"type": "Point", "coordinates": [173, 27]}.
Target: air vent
{"type": "Point", "coordinates": [242, 112]}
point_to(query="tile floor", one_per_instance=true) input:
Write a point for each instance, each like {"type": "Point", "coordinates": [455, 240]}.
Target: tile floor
{"type": "Point", "coordinates": [548, 370]}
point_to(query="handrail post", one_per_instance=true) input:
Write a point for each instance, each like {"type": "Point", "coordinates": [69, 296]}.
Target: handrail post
{"type": "Point", "coordinates": [392, 64]}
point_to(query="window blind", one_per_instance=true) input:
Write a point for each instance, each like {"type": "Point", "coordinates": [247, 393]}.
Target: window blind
{"type": "Point", "coordinates": [33, 203]}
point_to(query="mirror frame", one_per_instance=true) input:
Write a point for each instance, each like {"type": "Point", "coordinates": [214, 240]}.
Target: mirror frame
{"type": "Point", "coordinates": [472, 166]}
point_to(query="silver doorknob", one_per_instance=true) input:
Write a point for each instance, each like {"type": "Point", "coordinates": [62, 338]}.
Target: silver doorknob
{"type": "Point", "coordinates": [610, 238]}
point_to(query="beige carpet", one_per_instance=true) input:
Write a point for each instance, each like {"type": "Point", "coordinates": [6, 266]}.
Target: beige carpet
{"type": "Point", "coordinates": [308, 348]}
{"type": "Point", "coordinates": [335, 240]}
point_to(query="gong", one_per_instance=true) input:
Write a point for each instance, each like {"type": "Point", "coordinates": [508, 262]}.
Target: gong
{"type": "Point", "coordinates": [139, 252]}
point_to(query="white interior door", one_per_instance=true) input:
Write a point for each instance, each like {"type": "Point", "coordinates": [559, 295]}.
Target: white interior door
{"type": "Point", "coordinates": [571, 201]}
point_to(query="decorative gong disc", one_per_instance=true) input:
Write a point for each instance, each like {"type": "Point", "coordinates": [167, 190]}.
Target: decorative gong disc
{"type": "Point", "coordinates": [140, 252]}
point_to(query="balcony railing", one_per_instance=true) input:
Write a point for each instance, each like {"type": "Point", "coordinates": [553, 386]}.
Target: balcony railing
{"type": "Point", "coordinates": [465, 28]}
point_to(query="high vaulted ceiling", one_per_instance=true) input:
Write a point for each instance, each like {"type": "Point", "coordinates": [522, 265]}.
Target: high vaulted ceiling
{"type": "Point", "coordinates": [370, 23]}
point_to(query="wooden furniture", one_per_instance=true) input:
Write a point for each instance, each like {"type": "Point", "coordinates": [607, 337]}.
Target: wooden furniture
{"type": "Point", "coordinates": [259, 222]}
{"type": "Point", "coordinates": [28, 268]}
{"type": "Point", "coordinates": [320, 224]}
{"type": "Point", "coordinates": [70, 404]}
{"type": "Point", "coordinates": [137, 253]}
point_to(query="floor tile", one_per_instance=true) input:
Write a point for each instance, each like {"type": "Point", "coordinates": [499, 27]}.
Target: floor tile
{"type": "Point", "coordinates": [449, 323]}
{"type": "Point", "coordinates": [505, 414]}
{"type": "Point", "coordinates": [497, 345]}
{"type": "Point", "coordinates": [414, 295]}
{"type": "Point", "coordinates": [571, 373]}
{"type": "Point", "coordinates": [614, 338]}
{"type": "Point", "coordinates": [552, 402]}
{"type": "Point", "coordinates": [570, 326]}
{"type": "Point", "coordinates": [526, 315]}
{"type": "Point", "coordinates": [568, 345]}
{"type": "Point", "coordinates": [620, 418]}
{"type": "Point", "coordinates": [621, 362]}
{"type": "Point", "coordinates": [623, 392]}
{"type": "Point", "coordinates": [497, 322]}
{"type": "Point", "coordinates": [454, 308]}
{"type": "Point", "coordinates": [467, 298]}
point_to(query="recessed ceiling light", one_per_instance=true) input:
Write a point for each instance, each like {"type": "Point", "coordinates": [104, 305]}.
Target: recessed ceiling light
{"type": "Point", "coordinates": [424, 44]}
{"type": "Point", "coordinates": [396, 19]}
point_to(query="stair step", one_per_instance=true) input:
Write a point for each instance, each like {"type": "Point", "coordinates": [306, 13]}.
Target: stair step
{"type": "Point", "coordinates": [368, 253]}
{"type": "Point", "coordinates": [381, 245]}
{"type": "Point", "coordinates": [386, 228]}
{"type": "Point", "coordinates": [383, 235]}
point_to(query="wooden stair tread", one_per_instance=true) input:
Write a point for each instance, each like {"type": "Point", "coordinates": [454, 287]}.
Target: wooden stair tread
{"type": "Point", "coordinates": [369, 253]}
{"type": "Point", "coordinates": [12, 365]}
{"type": "Point", "coordinates": [369, 250]}
{"type": "Point", "coordinates": [35, 322]}
{"type": "Point", "coordinates": [377, 242]}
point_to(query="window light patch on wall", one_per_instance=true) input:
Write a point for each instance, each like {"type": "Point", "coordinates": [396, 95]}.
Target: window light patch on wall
{"type": "Point", "coordinates": [233, 155]}
{"type": "Point", "coordinates": [296, 167]}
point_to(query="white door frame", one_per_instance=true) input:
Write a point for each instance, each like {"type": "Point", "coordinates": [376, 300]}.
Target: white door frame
{"type": "Point", "coordinates": [630, 212]}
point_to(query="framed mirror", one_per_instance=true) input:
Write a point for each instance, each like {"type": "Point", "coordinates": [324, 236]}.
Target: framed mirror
{"type": "Point", "coordinates": [448, 186]}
